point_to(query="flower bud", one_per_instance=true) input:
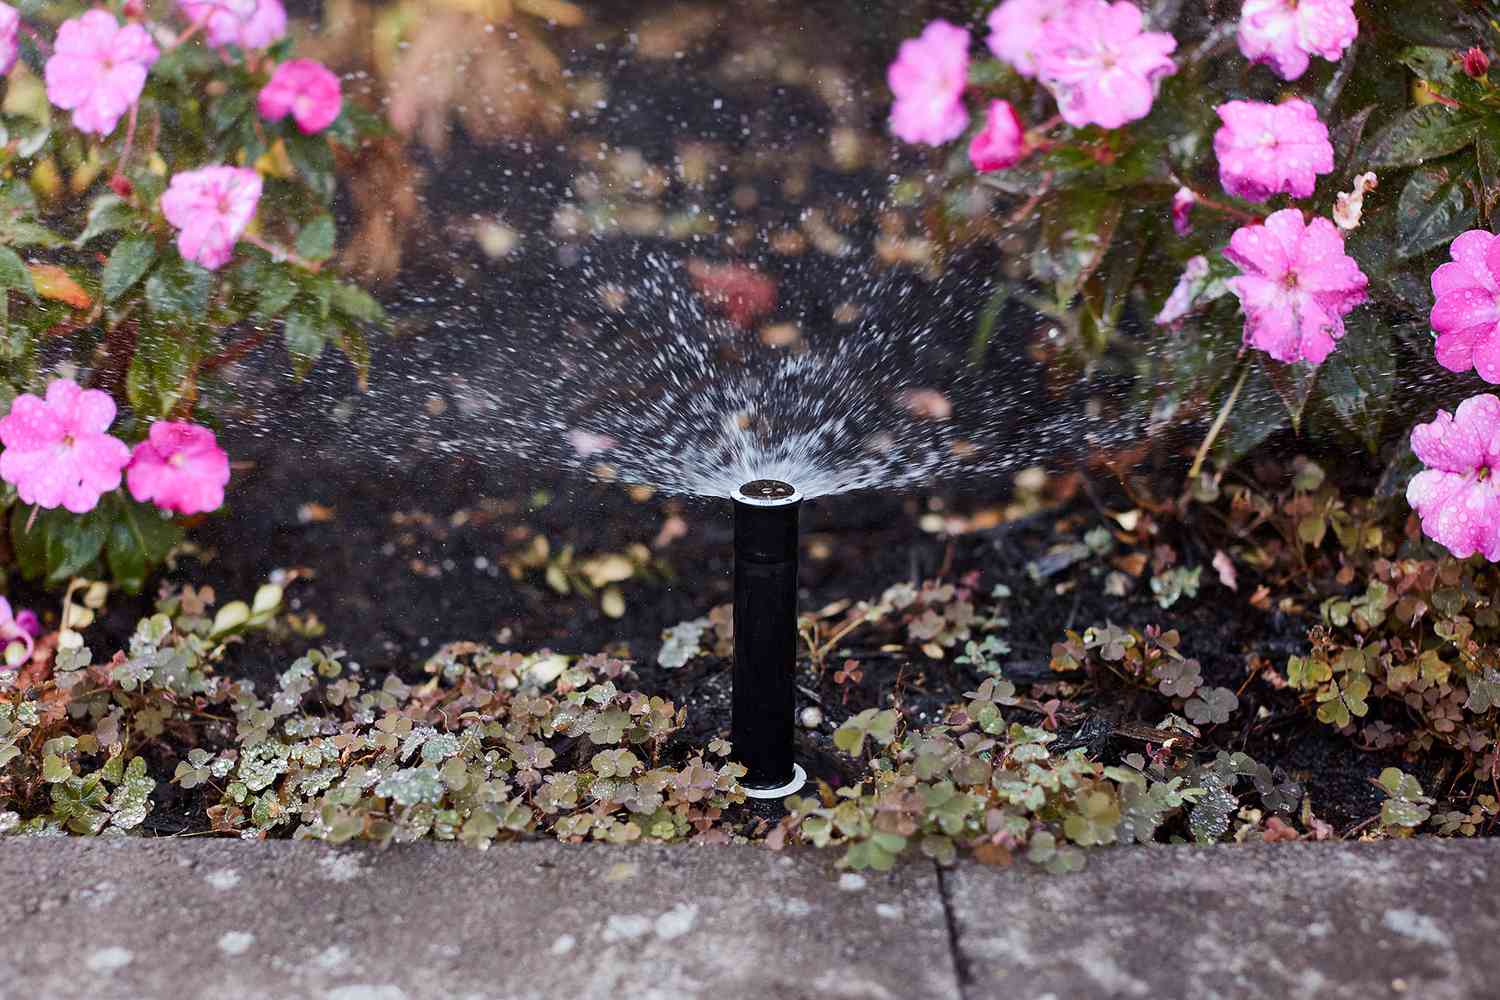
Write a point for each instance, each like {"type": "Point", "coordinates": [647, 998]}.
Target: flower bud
{"type": "Point", "coordinates": [1476, 63]}
{"type": "Point", "coordinates": [120, 185]}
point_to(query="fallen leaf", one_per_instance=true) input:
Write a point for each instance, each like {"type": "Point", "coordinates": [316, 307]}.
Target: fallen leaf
{"type": "Point", "coordinates": [926, 404]}
{"type": "Point", "coordinates": [1225, 567]}
{"type": "Point", "coordinates": [737, 290]}
{"type": "Point", "coordinates": [313, 512]}
{"type": "Point", "coordinates": [586, 443]}
{"type": "Point", "coordinates": [52, 282]}
{"type": "Point", "coordinates": [781, 335]}
{"type": "Point", "coordinates": [672, 529]}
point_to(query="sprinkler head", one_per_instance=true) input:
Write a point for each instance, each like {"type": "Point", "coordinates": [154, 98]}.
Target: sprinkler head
{"type": "Point", "coordinates": [767, 493]}
{"type": "Point", "coordinates": [763, 723]}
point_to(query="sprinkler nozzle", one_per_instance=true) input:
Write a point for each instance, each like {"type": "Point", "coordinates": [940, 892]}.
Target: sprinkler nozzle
{"type": "Point", "coordinates": [765, 636]}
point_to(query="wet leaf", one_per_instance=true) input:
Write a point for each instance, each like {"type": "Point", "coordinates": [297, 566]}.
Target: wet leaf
{"type": "Point", "coordinates": [1420, 134]}
{"type": "Point", "coordinates": [1437, 204]}
{"type": "Point", "coordinates": [128, 262]}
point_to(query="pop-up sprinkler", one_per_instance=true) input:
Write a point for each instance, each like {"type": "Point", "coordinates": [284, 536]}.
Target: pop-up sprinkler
{"type": "Point", "coordinates": [765, 636]}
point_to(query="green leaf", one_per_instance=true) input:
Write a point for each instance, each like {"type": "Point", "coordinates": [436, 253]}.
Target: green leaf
{"type": "Point", "coordinates": [1436, 205]}
{"type": "Point", "coordinates": [1436, 64]}
{"type": "Point", "coordinates": [1293, 383]}
{"type": "Point", "coordinates": [358, 304]}
{"type": "Point", "coordinates": [131, 258]}
{"type": "Point", "coordinates": [59, 543]}
{"type": "Point", "coordinates": [1419, 135]}
{"type": "Point", "coordinates": [158, 369]}
{"type": "Point", "coordinates": [55, 769]}
{"type": "Point", "coordinates": [273, 284]}
{"type": "Point", "coordinates": [24, 233]}
{"type": "Point", "coordinates": [313, 158]}
{"type": "Point", "coordinates": [29, 546]}
{"type": "Point", "coordinates": [139, 540]}
{"type": "Point", "coordinates": [14, 273]}
{"type": "Point", "coordinates": [1487, 146]}
{"type": "Point", "coordinates": [73, 542]}
{"type": "Point", "coordinates": [1431, 22]}
{"type": "Point", "coordinates": [305, 339]}
{"type": "Point", "coordinates": [1358, 378]}
{"type": "Point", "coordinates": [1258, 413]}
{"type": "Point", "coordinates": [1077, 229]}
{"type": "Point", "coordinates": [229, 109]}
{"type": "Point", "coordinates": [178, 289]}
{"type": "Point", "coordinates": [316, 240]}
{"type": "Point", "coordinates": [107, 214]}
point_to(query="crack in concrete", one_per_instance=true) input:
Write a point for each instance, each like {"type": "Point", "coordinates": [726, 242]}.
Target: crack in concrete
{"type": "Point", "coordinates": [955, 954]}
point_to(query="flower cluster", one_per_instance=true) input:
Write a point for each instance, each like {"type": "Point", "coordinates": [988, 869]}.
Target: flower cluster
{"type": "Point", "coordinates": [248, 24]}
{"type": "Point", "coordinates": [1095, 57]}
{"type": "Point", "coordinates": [98, 71]}
{"type": "Point", "coordinates": [57, 453]}
{"type": "Point", "coordinates": [1457, 497]}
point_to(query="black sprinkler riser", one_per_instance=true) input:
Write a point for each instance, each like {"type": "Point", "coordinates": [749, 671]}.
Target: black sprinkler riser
{"type": "Point", "coordinates": [765, 634]}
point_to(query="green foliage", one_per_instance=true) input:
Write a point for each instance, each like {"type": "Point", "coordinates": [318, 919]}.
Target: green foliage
{"type": "Point", "coordinates": [1406, 808]}
{"type": "Point", "coordinates": [1087, 223]}
{"type": "Point", "coordinates": [998, 789]}
{"type": "Point", "coordinates": [128, 311]}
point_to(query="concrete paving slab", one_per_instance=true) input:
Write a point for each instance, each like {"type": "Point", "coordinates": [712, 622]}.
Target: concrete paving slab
{"type": "Point", "coordinates": [1413, 919]}
{"type": "Point", "coordinates": [129, 918]}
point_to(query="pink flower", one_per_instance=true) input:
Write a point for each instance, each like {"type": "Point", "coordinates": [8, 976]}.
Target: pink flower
{"type": "Point", "coordinates": [16, 635]}
{"type": "Point", "coordinates": [1185, 294]}
{"type": "Point", "coordinates": [1267, 149]}
{"type": "Point", "coordinates": [1476, 63]}
{"type": "Point", "coordinates": [928, 79]}
{"type": "Point", "coordinates": [1100, 65]}
{"type": "Point", "coordinates": [212, 206]}
{"type": "Point", "coordinates": [1001, 144]}
{"type": "Point", "coordinates": [1296, 285]}
{"type": "Point", "coordinates": [29, 622]}
{"type": "Point", "coordinates": [1466, 314]}
{"type": "Point", "coordinates": [10, 27]}
{"type": "Point", "coordinates": [98, 68]}
{"type": "Point", "coordinates": [1457, 496]}
{"type": "Point", "coordinates": [1285, 33]}
{"type": "Point", "coordinates": [250, 24]}
{"type": "Point", "coordinates": [1182, 210]}
{"type": "Point", "coordinates": [56, 451]}
{"type": "Point", "coordinates": [1016, 28]}
{"type": "Point", "coordinates": [306, 89]}
{"type": "Point", "coordinates": [179, 467]}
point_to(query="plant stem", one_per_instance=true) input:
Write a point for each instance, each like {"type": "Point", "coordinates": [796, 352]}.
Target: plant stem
{"type": "Point", "coordinates": [120, 164]}
{"type": "Point", "coordinates": [281, 253]}
{"type": "Point", "coordinates": [1217, 426]}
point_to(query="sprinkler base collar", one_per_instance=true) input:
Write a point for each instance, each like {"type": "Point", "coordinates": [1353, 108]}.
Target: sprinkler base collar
{"type": "Point", "coordinates": [799, 778]}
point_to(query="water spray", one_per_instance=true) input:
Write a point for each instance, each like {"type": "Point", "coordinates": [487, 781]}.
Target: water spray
{"type": "Point", "coordinates": [762, 726]}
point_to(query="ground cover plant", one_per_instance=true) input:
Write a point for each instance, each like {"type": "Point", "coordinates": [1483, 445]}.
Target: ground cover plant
{"type": "Point", "coordinates": [1022, 680]}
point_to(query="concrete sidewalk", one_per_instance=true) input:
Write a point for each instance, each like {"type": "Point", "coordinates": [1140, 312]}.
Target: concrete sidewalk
{"type": "Point", "coordinates": [110, 918]}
